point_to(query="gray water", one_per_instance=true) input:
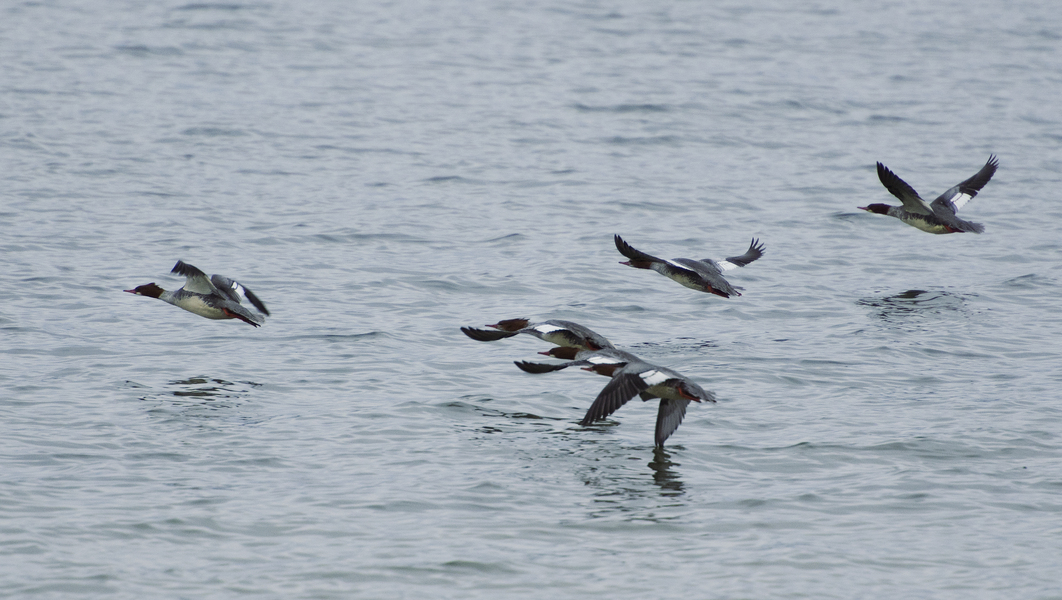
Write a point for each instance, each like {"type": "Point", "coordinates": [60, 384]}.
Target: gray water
{"type": "Point", "coordinates": [381, 174]}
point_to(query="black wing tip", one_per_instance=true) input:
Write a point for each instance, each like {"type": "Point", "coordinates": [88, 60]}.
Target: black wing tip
{"type": "Point", "coordinates": [755, 251]}
{"type": "Point", "coordinates": [485, 335]}
{"type": "Point", "coordinates": [255, 301]}
{"type": "Point", "coordinates": [536, 368]}
{"type": "Point", "coordinates": [590, 419]}
{"type": "Point", "coordinates": [183, 268]}
{"type": "Point", "coordinates": [990, 167]}
{"type": "Point", "coordinates": [884, 173]}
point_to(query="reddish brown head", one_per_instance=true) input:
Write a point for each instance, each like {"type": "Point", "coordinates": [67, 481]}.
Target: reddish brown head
{"type": "Point", "coordinates": [150, 290]}
{"type": "Point", "coordinates": [881, 209]}
{"type": "Point", "coordinates": [637, 264]}
{"type": "Point", "coordinates": [607, 370]}
{"type": "Point", "coordinates": [565, 352]}
{"type": "Point", "coordinates": [511, 324]}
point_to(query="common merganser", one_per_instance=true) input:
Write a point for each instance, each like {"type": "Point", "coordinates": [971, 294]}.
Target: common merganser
{"type": "Point", "coordinates": [217, 297]}
{"type": "Point", "coordinates": [702, 275]}
{"type": "Point", "coordinates": [605, 361]}
{"type": "Point", "coordinates": [938, 217]}
{"type": "Point", "coordinates": [648, 381]}
{"type": "Point", "coordinates": [554, 331]}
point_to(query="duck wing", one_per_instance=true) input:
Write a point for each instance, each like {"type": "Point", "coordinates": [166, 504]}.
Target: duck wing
{"type": "Point", "coordinates": [668, 418]}
{"type": "Point", "coordinates": [957, 197]}
{"type": "Point", "coordinates": [197, 281]}
{"type": "Point", "coordinates": [536, 368]}
{"type": "Point", "coordinates": [235, 291]}
{"type": "Point", "coordinates": [627, 250]}
{"type": "Point", "coordinates": [732, 262]}
{"type": "Point", "coordinates": [912, 202]}
{"type": "Point", "coordinates": [623, 386]}
{"type": "Point", "coordinates": [487, 335]}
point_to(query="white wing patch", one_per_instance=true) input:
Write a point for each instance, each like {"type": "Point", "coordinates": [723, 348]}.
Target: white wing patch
{"type": "Point", "coordinates": [236, 287]}
{"type": "Point", "coordinates": [960, 200]}
{"type": "Point", "coordinates": [545, 329]}
{"type": "Point", "coordinates": [675, 264]}
{"type": "Point", "coordinates": [726, 265]}
{"type": "Point", "coordinates": [653, 377]}
{"type": "Point", "coordinates": [602, 360]}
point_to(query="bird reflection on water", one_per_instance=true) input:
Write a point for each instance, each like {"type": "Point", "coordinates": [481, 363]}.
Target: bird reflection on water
{"type": "Point", "coordinates": [664, 475]}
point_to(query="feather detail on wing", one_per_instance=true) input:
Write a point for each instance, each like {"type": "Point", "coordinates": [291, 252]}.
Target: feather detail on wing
{"type": "Point", "coordinates": [197, 281]}
{"type": "Point", "coordinates": [615, 394]}
{"type": "Point", "coordinates": [536, 368]}
{"type": "Point", "coordinates": [487, 335]}
{"type": "Point", "coordinates": [755, 251]}
{"type": "Point", "coordinates": [958, 196]}
{"type": "Point", "coordinates": [899, 188]}
{"type": "Point", "coordinates": [668, 418]}
{"type": "Point", "coordinates": [236, 292]}
{"type": "Point", "coordinates": [636, 255]}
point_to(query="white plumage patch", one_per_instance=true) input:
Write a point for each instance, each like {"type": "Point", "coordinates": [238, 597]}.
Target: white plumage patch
{"type": "Point", "coordinates": [726, 265]}
{"type": "Point", "coordinates": [675, 264]}
{"type": "Point", "coordinates": [960, 200]}
{"type": "Point", "coordinates": [547, 329]}
{"type": "Point", "coordinates": [653, 377]}
{"type": "Point", "coordinates": [602, 360]}
{"type": "Point", "coordinates": [195, 304]}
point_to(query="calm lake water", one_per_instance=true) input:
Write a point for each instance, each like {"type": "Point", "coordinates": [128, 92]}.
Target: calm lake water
{"type": "Point", "coordinates": [381, 174]}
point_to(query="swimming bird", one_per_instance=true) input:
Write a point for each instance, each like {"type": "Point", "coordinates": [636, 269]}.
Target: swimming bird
{"type": "Point", "coordinates": [938, 217]}
{"type": "Point", "coordinates": [639, 378]}
{"type": "Point", "coordinates": [554, 331]}
{"type": "Point", "coordinates": [217, 297]}
{"type": "Point", "coordinates": [702, 275]}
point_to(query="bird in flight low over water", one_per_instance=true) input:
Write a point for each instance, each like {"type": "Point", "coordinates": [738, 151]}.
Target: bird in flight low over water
{"type": "Point", "coordinates": [704, 275]}
{"type": "Point", "coordinates": [639, 378]}
{"type": "Point", "coordinates": [631, 376]}
{"type": "Point", "coordinates": [554, 331]}
{"type": "Point", "coordinates": [938, 217]}
{"type": "Point", "coordinates": [216, 297]}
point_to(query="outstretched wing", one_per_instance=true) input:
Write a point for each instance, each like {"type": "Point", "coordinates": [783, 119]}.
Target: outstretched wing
{"type": "Point", "coordinates": [197, 281]}
{"type": "Point", "coordinates": [235, 291]}
{"type": "Point", "coordinates": [536, 368]}
{"type": "Point", "coordinates": [619, 390]}
{"type": "Point", "coordinates": [899, 188]}
{"type": "Point", "coordinates": [957, 197]}
{"type": "Point", "coordinates": [636, 255]}
{"type": "Point", "coordinates": [487, 335]}
{"type": "Point", "coordinates": [732, 262]}
{"type": "Point", "coordinates": [668, 418]}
